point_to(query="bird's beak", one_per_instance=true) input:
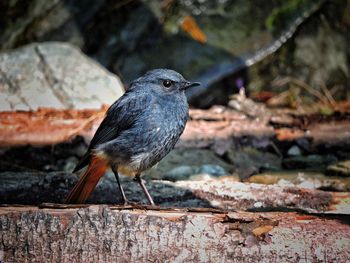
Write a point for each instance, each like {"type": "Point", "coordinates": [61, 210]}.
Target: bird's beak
{"type": "Point", "coordinates": [190, 85]}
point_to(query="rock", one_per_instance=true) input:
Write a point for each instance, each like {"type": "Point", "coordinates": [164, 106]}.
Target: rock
{"type": "Point", "coordinates": [248, 161]}
{"type": "Point", "coordinates": [51, 20]}
{"type": "Point", "coordinates": [186, 172]}
{"type": "Point", "coordinates": [304, 179]}
{"type": "Point", "coordinates": [339, 169]}
{"type": "Point", "coordinates": [179, 173]}
{"type": "Point", "coordinates": [215, 170]}
{"type": "Point", "coordinates": [309, 161]}
{"type": "Point", "coordinates": [70, 163]}
{"type": "Point", "coordinates": [294, 151]}
{"type": "Point", "coordinates": [54, 75]}
{"type": "Point", "coordinates": [181, 163]}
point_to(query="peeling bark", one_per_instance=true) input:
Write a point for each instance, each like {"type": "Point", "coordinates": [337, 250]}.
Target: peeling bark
{"type": "Point", "coordinates": [115, 234]}
{"type": "Point", "coordinates": [221, 193]}
{"type": "Point", "coordinates": [47, 126]}
{"type": "Point", "coordinates": [218, 128]}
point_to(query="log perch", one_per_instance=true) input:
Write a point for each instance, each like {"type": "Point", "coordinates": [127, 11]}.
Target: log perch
{"type": "Point", "coordinates": [100, 233]}
{"type": "Point", "coordinates": [32, 188]}
{"type": "Point", "coordinates": [198, 221]}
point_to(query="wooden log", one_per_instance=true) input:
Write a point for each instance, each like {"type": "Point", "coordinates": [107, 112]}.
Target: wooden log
{"type": "Point", "coordinates": [222, 193]}
{"type": "Point", "coordinates": [100, 233]}
{"type": "Point", "coordinates": [216, 128]}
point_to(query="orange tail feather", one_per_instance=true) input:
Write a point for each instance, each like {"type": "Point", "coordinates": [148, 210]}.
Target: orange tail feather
{"type": "Point", "coordinates": [88, 181]}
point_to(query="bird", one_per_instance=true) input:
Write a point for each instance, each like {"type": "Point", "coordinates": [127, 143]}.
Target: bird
{"type": "Point", "coordinates": [138, 130]}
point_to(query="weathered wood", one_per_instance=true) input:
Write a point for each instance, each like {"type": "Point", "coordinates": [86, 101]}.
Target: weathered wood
{"type": "Point", "coordinates": [112, 234]}
{"type": "Point", "coordinates": [47, 126]}
{"type": "Point", "coordinates": [221, 193]}
{"type": "Point", "coordinates": [216, 128]}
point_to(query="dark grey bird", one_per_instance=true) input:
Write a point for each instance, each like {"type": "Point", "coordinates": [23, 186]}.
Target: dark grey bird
{"type": "Point", "coordinates": [139, 129]}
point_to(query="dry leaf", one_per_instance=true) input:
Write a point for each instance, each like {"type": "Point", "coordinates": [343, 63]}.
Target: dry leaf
{"type": "Point", "coordinates": [189, 25]}
{"type": "Point", "coordinates": [259, 231]}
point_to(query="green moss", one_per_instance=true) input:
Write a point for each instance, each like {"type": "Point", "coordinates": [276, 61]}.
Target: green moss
{"type": "Point", "coordinates": [282, 17]}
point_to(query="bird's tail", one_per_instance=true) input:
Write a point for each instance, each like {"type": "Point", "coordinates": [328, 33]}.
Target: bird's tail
{"type": "Point", "coordinates": [88, 181]}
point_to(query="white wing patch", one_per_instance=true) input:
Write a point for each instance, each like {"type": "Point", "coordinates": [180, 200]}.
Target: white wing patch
{"type": "Point", "coordinates": [137, 159]}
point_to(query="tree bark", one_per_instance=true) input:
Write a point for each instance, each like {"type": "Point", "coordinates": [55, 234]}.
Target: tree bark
{"type": "Point", "coordinates": [221, 193]}
{"type": "Point", "coordinates": [116, 234]}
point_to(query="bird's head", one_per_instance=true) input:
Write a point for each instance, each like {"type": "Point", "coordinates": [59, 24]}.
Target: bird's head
{"type": "Point", "coordinates": [165, 80]}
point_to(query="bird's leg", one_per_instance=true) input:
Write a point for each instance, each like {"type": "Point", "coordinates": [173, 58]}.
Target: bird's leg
{"type": "Point", "coordinates": [142, 184]}
{"type": "Point", "coordinates": [116, 174]}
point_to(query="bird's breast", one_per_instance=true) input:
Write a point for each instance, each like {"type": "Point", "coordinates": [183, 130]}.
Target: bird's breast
{"type": "Point", "coordinates": [150, 138]}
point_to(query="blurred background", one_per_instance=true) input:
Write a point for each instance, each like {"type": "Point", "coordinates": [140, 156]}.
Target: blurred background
{"type": "Point", "coordinates": [265, 46]}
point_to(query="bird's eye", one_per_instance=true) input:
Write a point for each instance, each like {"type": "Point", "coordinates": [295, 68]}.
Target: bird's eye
{"type": "Point", "coordinates": [167, 83]}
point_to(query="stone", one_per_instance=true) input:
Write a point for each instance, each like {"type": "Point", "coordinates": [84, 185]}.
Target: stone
{"type": "Point", "coordinates": [185, 172]}
{"type": "Point", "coordinates": [294, 151]}
{"type": "Point", "coordinates": [215, 170]}
{"type": "Point", "coordinates": [181, 163]}
{"type": "Point", "coordinates": [248, 161]}
{"type": "Point", "coordinates": [54, 75]}
{"type": "Point", "coordinates": [339, 169]}
{"type": "Point", "coordinates": [308, 161]}
{"type": "Point", "coordinates": [179, 173]}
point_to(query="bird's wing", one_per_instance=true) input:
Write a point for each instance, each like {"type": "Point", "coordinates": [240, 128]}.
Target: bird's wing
{"type": "Point", "coordinates": [120, 116]}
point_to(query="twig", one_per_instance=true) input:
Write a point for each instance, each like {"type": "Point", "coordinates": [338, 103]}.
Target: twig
{"type": "Point", "coordinates": [303, 85]}
{"type": "Point", "coordinates": [23, 168]}
{"type": "Point", "coordinates": [273, 145]}
{"type": "Point", "coordinates": [328, 95]}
